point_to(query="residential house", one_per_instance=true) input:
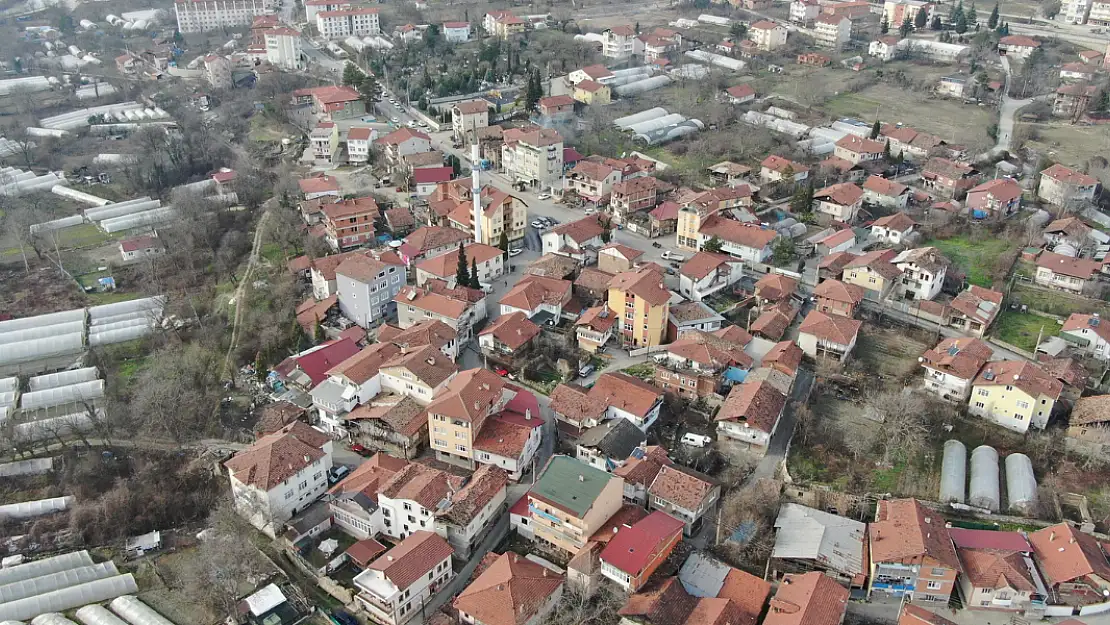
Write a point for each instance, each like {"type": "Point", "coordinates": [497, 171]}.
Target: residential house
{"type": "Point", "coordinates": [489, 261]}
{"type": "Point", "coordinates": [575, 410]}
{"type": "Point", "coordinates": [973, 310]}
{"type": "Point", "coordinates": [508, 338]}
{"type": "Point", "coordinates": [609, 444]}
{"type": "Point", "coordinates": [1073, 564]}
{"type": "Point", "coordinates": [280, 475]}
{"type": "Point", "coordinates": [349, 223]}
{"type": "Point", "coordinates": [684, 494]}
{"type": "Point", "coordinates": [615, 258]}
{"type": "Point", "coordinates": [410, 499]}
{"type": "Point", "coordinates": [332, 103]}
{"type": "Point", "coordinates": [807, 539]}
{"type": "Point", "coordinates": [533, 156]}
{"type": "Point", "coordinates": [510, 591]}
{"type": "Point", "coordinates": [911, 553]}
{"type": "Point", "coordinates": [832, 266]}
{"type": "Point", "coordinates": [430, 241]}
{"type": "Point", "coordinates": [502, 24]}
{"type": "Point", "coordinates": [698, 210]}
{"type": "Point", "coordinates": [812, 59]}
{"type": "Point", "coordinates": [367, 285]}
{"type": "Point", "coordinates": [729, 173]}
{"type": "Point", "coordinates": [841, 201]}
{"type": "Point", "coordinates": [886, 193]}
{"type": "Point", "coordinates": [403, 142]}
{"type": "Point", "coordinates": [834, 297]}
{"type": "Point", "coordinates": [767, 35]}
{"type": "Point", "coordinates": [594, 328]}
{"type": "Point", "coordinates": [140, 247]}
{"type": "Point", "coordinates": [592, 181]}
{"type": "Point", "coordinates": [856, 149]}
{"type": "Point", "coordinates": [1073, 233]}
{"type": "Point", "coordinates": [456, 32]}
{"type": "Point", "coordinates": [997, 570]}
{"type": "Point", "coordinates": [825, 336]}
{"type": "Point", "coordinates": [322, 273]}
{"type": "Point", "coordinates": [317, 186]}
{"type": "Point", "coordinates": [350, 383]}
{"type": "Point", "coordinates": [707, 273]}
{"type": "Point", "coordinates": [893, 229]}
{"type": "Point", "coordinates": [618, 42]}
{"type": "Point", "coordinates": [749, 242]}
{"type": "Point", "coordinates": [804, 11]}
{"type": "Point", "coordinates": [556, 109]}
{"type": "Point", "coordinates": [740, 94]}
{"type": "Point", "coordinates": [639, 470]}
{"type": "Point", "coordinates": [420, 373]}
{"type": "Point", "coordinates": [636, 551]}
{"type": "Point", "coordinates": [642, 302]}
{"type": "Point", "coordinates": [456, 415]}
{"type": "Point", "coordinates": [1089, 333]}
{"type": "Point", "coordinates": [426, 179]}
{"type": "Point", "coordinates": [832, 31]}
{"type": "Point", "coordinates": [468, 117]}
{"type": "Point", "coordinates": [923, 271]}
{"type": "Point", "coordinates": [359, 139]}
{"type": "Point", "coordinates": [776, 168]}
{"type": "Point", "coordinates": [689, 316]}
{"type": "Point", "coordinates": [885, 48]}
{"type": "Point", "coordinates": [949, 178]}
{"type": "Point", "coordinates": [633, 195]}
{"type": "Point", "coordinates": [1089, 425]}
{"type": "Point", "coordinates": [654, 47]}
{"type": "Point", "coordinates": [853, 9]}
{"type": "Point", "coordinates": [1060, 186]}
{"type": "Point", "coordinates": [1018, 46]}
{"type": "Point", "coordinates": [543, 300]}
{"type": "Point", "coordinates": [593, 93]}
{"type": "Point", "coordinates": [916, 615]}
{"type": "Point", "coordinates": [808, 599]}
{"type": "Point", "coordinates": [699, 361]}
{"type": "Point", "coordinates": [393, 423]}
{"type": "Point", "coordinates": [874, 272]}
{"type": "Point", "coordinates": [773, 321]}
{"type": "Point", "coordinates": [1015, 394]}
{"type": "Point", "coordinates": [396, 586]}
{"type": "Point", "coordinates": [627, 397]}
{"type": "Point", "coordinates": [569, 502]}
{"type": "Point", "coordinates": [353, 502]}
{"type": "Point", "coordinates": [774, 288]}
{"type": "Point", "coordinates": [663, 219]}
{"type": "Point", "coordinates": [471, 512]}
{"type": "Point", "coordinates": [1081, 72]}
{"type": "Point", "coordinates": [910, 143]}
{"type": "Point", "coordinates": [307, 369]}
{"type": "Point", "coordinates": [553, 266]}
{"type": "Point", "coordinates": [952, 366]}
{"type": "Point", "coordinates": [750, 414]}
{"type": "Point", "coordinates": [1065, 272]}
{"type": "Point", "coordinates": [597, 73]}
{"type": "Point", "coordinates": [955, 86]}
{"type": "Point", "coordinates": [459, 308]}
{"type": "Point", "coordinates": [1000, 197]}
{"type": "Point", "coordinates": [325, 141]}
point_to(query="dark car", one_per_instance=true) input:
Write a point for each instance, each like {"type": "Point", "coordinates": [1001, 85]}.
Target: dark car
{"type": "Point", "coordinates": [656, 244]}
{"type": "Point", "coordinates": [344, 618]}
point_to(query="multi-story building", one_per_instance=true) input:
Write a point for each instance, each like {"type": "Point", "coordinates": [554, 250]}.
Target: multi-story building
{"type": "Point", "coordinates": [325, 140]}
{"type": "Point", "coordinates": [973, 310]}
{"type": "Point", "coordinates": [684, 494]}
{"type": "Point", "coordinates": [834, 297]}
{"type": "Point", "coordinates": [998, 570]}
{"type": "Point", "coordinates": [767, 35]}
{"type": "Point", "coordinates": [923, 271]}
{"type": "Point", "coordinates": [912, 554]}
{"type": "Point", "coordinates": [615, 258]}
{"type": "Point", "coordinates": [1015, 394]}
{"type": "Point", "coordinates": [642, 302]}
{"type": "Point", "coordinates": [886, 193]}
{"type": "Point", "coordinates": [396, 586]}
{"type": "Point", "coordinates": [636, 551]}
{"type": "Point", "coordinates": [403, 142]}
{"type": "Point", "coordinates": [580, 240]}
{"type": "Point", "coordinates": [952, 366]}
{"type": "Point", "coordinates": [312, 7]}
{"type": "Point", "coordinates": [804, 11]}
{"type": "Point", "coordinates": [949, 178]}
{"type": "Point", "coordinates": [618, 42]}
{"type": "Point", "coordinates": [533, 157]}
{"type": "Point", "coordinates": [502, 24]}
{"type": "Point", "coordinates": [1061, 185]}
{"type": "Point", "coordinates": [420, 373]}
{"type": "Point", "coordinates": [488, 260]}
{"type": "Point", "coordinates": [349, 223]}
{"type": "Point", "coordinates": [460, 307]}
{"type": "Point", "coordinates": [280, 474]}
{"type": "Point", "coordinates": [1074, 564]}
{"type": "Point", "coordinates": [511, 590]}
{"type": "Point", "coordinates": [811, 598]}
{"type": "Point", "coordinates": [696, 364]}
{"type": "Point", "coordinates": [430, 241]}
{"type": "Point", "coordinates": [198, 16]}
{"type": "Point", "coordinates": [1074, 100]}
{"type": "Point", "coordinates": [217, 71]}
{"type": "Point", "coordinates": [410, 499]}
{"type": "Point", "coordinates": [1089, 333]}
{"type": "Point", "coordinates": [283, 48]}
{"type": "Point", "coordinates": [356, 22]}
{"type": "Point", "coordinates": [1018, 46]}
{"type": "Point", "coordinates": [634, 195]}
{"type": "Point", "coordinates": [858, 150]}
{"type": "Point", "coordinates": [359, 139]}
{"type": "Point", "coordinates": [592, 180]}
{"type": "Point", "coordinates": [594, 328]}
{"type": "Point", "coordinates": [832, 31]}
{"type": "Point", "coordinates": [1000, 197]}
{"type": "Point", "coordinates": [707, 273]}
{"type": "Point", "coordinates": [354, 501]}
{"type": "Point", "coordinates": [456, 415]}
{"type": "Point", "coordinates": [467, 117]}
{"type": "Point", "coordinates": [456, 32]}
{"type": "Point", "coordinates": [367, 285]}
{"type": "Point", "coordinates": [841, 201]}
{"type": "Point", "coordinates": [332, 103]}
{"type": "Point", "coordinates": [570, 501]}
{"type": "Point", "coordinates": [776, 168]}
{"type": "Point", "coordinates": [352, 382]}
{"type": "Point", "coordinates": [828, 336]}
{"type": "Point", "coordinates": [874, 273]}
{"type": "Point", "coordinates": [750, 413]}
{"type": "Point", "coordinates": [898, 11]}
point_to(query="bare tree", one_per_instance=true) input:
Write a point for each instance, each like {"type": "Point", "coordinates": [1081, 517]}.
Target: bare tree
{"type": "Point", "coordinates": [174, 395]}
{"type": "Point", "coordinates": [18, 220]}
{"type": "Point", "coordinates": [905, 423]}
{"type": "Point", "coordinates": [576, 607]}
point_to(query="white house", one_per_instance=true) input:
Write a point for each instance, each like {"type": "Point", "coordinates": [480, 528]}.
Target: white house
{"type": "Point", "coordinates": [1064, 272]}
{"type": "Point", "coordinates": [893, 229]}
{"type": "Point", "coordinates": [750, 414]}
{"type": "Point", "coordinates": [749, 242]}
{"type": "Point", "coordinates": [359, 139]}
{"type": "Point", "coordinates": [535, 294]}
{"type": "Point", "coordinates": [350, 383]}
{"type": "Point", "coordinates": [804, 11]}
{"type": "Point", "coordinates": [396, 586]}
{"type": "Point", "coordinates": [767, 35]}
{"type": "Point", "coordinates": [832, 31]}
{"type": "Point", "coordinates": [283, 48]}
{"type": "Point", "coordinates": [510, 439]}
{"type": "Point", "coordinates": [618, 42]}
{"type": "Point", "coordinates": [280, 475]}
{"type": "Point", "coordinates": [1090, 333]}
{"type": "Point", "coordinates": [354, 501]}
{"type": "Point", "coordinates": [579, 240]}
{"type": "Point", "coordinates": [951, 367]}
{"type": "Point", "coordinates": [884, 48]}
{"type": "Point", "coordinates": [473, 510]}
{"type": "Point", "coordinates": [488, 260]}
{"type": "Point", "coordinates": [707, 273]}
{"type": "Point", "coordinates": [420, 373]}
{"type": "Point", "coordinates": [887, 193]}
{"type": "Point", "coordinates": [628, 398]}
{"type": "Point", "coordinates": [367, 286]}
{"type": "Point", "coordinates": [923, 271]}
{"type": "Point", "coordinates": [139, 247]}
{"type": "Point", "coordinates": [456, 32]}
{"type": "Point", "coordinates": [358, 22]}
{"type": "Point", "coordinates": [841, 201]}
{"type": "Point", "coordinates": [828, 336]}
{"type": "Point", "coordinates": [410, 499]}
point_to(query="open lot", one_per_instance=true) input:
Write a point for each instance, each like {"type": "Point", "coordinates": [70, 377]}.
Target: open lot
{"type": "Point", "coordinates": [1057, 302]}
{"type": "Point", "coordinates": [889, 352]}
{"type": "Point", "coordinates": [1022, 329]}
{"type": "Point", "coordinates": [1071, 145]}
{"type": "Point", "coordinates": [947, 119]}
{"type": "Point", "coordinates": [977, 257]}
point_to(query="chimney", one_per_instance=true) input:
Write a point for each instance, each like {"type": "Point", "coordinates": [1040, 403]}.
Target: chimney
{"type": "Point", "coordinates": [1052, 536]}
{"type": "Point", "coordinates": [390, 558]}
{"type": "Point", "coordinates": [528, 414]}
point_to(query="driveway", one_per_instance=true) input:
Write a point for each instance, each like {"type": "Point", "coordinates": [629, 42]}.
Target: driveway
{"type": "Point", "coordinates": [780, 441]}
{"type": "Point", "coordinates": [1006, 114]}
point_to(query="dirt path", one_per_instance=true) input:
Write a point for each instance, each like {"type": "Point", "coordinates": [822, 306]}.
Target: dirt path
{"type": "Point", "coordinates": [256, 250]}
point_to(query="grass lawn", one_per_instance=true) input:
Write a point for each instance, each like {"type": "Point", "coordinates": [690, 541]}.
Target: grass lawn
{"type": "Point", "coordinates": [85, 235]}
{"type": "Point", "coordinates": [1071, 145]}
{"type": "Point", "coordinates": [976, 258]}
{"type": "Point", "coordinates": [947, 119]}
{"type": "Point", "coordinates": [264, 130]}
{"type": "Point", "coordinates": [1021, 329]}
{"type": "Point", "coordinates": [272, 253]}
{"type": "Point", "coordinates": [1056, 302]}
{"type": "Point", "coordinates": [110, 297]}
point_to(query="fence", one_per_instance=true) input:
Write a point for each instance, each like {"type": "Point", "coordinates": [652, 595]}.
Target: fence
{"type": "Point", "coordinates": [647, 350]}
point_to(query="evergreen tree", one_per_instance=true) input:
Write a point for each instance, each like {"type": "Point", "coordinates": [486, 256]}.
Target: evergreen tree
{"type": "Point", "coordinates": [884, 25]}
{"type": "Point", "coordinates": [301, 341]}
{"type": "Point", "coordinates": [462, 272]}
{"type": "Point", "coordinates": [318, 334]}
{"type": "Point", "coordinates": [352, 77]}
{"type": "Point", "coordinates": [802, 200]}
{"type": "Point", "coordinates": [907, 26]}
{"type": "Point", "coordinates": [875, 129]}
{"type": "Point", "coordinates": [936, 25]}
{"type": "Point", "coordinates": [900, 158]}
{"type": "Point", "coordinates": [886, 150]}
{"type": "Point", "coordinates": [972, 15]}
{"type": "Point", "coordinates": [1004, 29]}
{"type": "Point", "coordinates": [474, 284]}
{"type": "Point", "coordinates": [712, 245]}
{"type": "Point", "coordinates": [534, 90]}
{"type": "Point", "coordinates": [920, 20]}
{"type": "Point", "coordinates": [503, 243]}
{"type": "Point", "coordinates": [992, 21]}
{"type": "Point", "coordinates": [959, 19]}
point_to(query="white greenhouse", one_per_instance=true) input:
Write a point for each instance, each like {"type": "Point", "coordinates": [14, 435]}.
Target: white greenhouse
{"type": "Point", "coordinates": [56, 581]}
{"type": "Point", "coordinates": [32, 509]}
{"type": "Point", "coordinates": [63, 378]}
{"type": "Point", "coordinates": [69, 598]}
{"type": "Point", "coordinates": [34, 466]}
{"type": "Point", "coordinates": [62, 395]}
{"type": "Point", "coordinates": [45, 566]}
{"type": "Point", "coordinates": [42, 320]}
{"type": "Point", "coordinates": [30, 334]}
{"type": "Point", "coordinates": [97, 615]}
{"type": "Point", "coordinates": [136, 612]}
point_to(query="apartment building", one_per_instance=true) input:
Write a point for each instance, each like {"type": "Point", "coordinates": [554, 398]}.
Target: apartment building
{"type": "Point", "coordinates": [832, 31]}
{"type": "Point", "coordinates": [592, 180]}
{"type": "Point", "coordinates": [570, 501]}
{"type": "Point", "coordinates": [1014, 394]}
{"type": "Point", "coordinates": [349, 223]}
{"type": "Point", "coordinates": [312, 7]}
{"type": "Point", "coordinates": [395, 587]}
{"type": "Point", "coordinates": [1061, 185]}
{"type": "Point", "coordinates": [533, 157]}
{"type": "Point", "coordinates": [359, 139]}
{"type": "Point", "coordinates": [618, 42]}
{"type": "Point", "coordinates": [897, 11]}
{"type": "Point", "coordinates": [642, 303]}
{"type": "Point", "coordinates": [283, 48]}
{"type": "Point", "coordinates": [198, 16]}
{"type": "Point", "coordinates": [804, 11]}
{"type": "Point", "coordinates": [356, 22]}
{"type": "Point", "coordinates": [467, 117]}
{"type": "Point", "coordinates": [367, 285]}
{"type": "Point", "coordinates": [502, 24]}
{"type": "Point", "coordinates": [280, 475]}
{"type": "Point", "coordinates": [707, 273]}
{"type": "Point", "coordinates": [767, 35]}
{"type": "Point", "coordinates": [456, 416]}
{"type": "Point", "coordinates": [325, 139]}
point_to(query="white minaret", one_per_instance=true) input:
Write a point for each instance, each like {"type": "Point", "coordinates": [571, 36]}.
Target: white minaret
{"type": "Point", "coordinates": [476, 191]}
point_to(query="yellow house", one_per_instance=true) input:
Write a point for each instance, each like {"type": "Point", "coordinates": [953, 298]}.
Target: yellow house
{"type": "Point", "coordinates": [501, 212]}
{"type": "Point", "coordinates": [640, 302]}
{"type": "Point", "coordinates": [456, 415]}
{"type": "Point", "coordinates": [591, 92]}
{"type": "Point", "coordinates": [873, 272]}
{"type": "Point", "coordinates": [1015, 394]}
{"type": "Point", "coordinates": [570, 502]}
{"type": "Point", "coordinates": [699, 206]}
{"type": "Point", "coordinates": [422, 373]}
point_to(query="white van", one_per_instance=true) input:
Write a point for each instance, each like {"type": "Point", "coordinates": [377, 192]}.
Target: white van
{"type": "Point", "coordinates": [669, 255]}
{"type": "Point", "coordinates": [695, 440]}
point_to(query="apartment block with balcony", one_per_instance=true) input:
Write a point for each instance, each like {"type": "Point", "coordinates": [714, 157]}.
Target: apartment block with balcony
{"type": "Point", "coordinates": [707, 273]}
{"type": "Point", "coordinates": [618, 42]}
{"type": "Point", "coordinates": [642, 303]}
{"type": "Point", "coordinates": [356, 22]}
{"type": "Point", "coordinates": [456, 416]}
{"type": "Point", "coordinates": [395, 587]}
{"type": "Point", "coordinates": [951, 367]}
{"type": "Point", "coordinates": [350, 383]}
{"type": "Point", "coordinates": [349, 223]}
{"type": "Point", "coordinates": [569, 502]}
{"type": "Point", "coordinates": [832, 31]}
{"type": "Point", "coordinates": [533, 156]}
{"type": "Point", "coordinates": [912, 555]}
{"type": "Point", "coordinates": [198, 16]}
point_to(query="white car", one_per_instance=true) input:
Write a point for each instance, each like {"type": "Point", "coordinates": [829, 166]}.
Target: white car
{"type": "Point", "coordinates": [515, 251]}
{"type": "Point", "coordinates": [591, 211]}
{"type": "Point", "coordinates": [394, 120]}
{"type": "Point", "coordinates": [543, 196]}
{"type": "Point", "coordinates": [537, 224]}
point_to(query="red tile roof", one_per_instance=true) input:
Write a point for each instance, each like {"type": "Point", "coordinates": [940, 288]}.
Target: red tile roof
{"type": "Point", "coordinates": [701, 264]}
{"type": "Point", "coordinates": [513, 329]}
{"type": "Point", "coordinates": [903, 529]}
{"type": "Point", "coordinates": [785, 356]}
{"type": "Point", "coordinates": [142, 243]}
{"type": "Point", "coordinates": [741, 91]}
{"type": "Point", "coordinates": [665, 604]}
{"type": "Point", "coordinates": [832, 328]}
{"type": "Point", "coordinates": [682, 487]}
{"type": "Point", "coordinates": [756, 404]}
{"type": "Point", "coordinates": [511, 591]}
{"type": "Point", "coordinates": [370, 476]}
{"type": "Point", "coordinates": [1067, 175]}
{"type": "Point", "coordinates": [838, 291]}
{"type": "Point", "coordinates": [365, 551]}
{"type": "Point", "coordinates": [420, 483]}
{"type": "Point", "coordinates": [1094, 323]}
{"type": "Point", "coordinates": [916, 615]}
{"type": "Point", "coordinates": [318, 184]}
{"type": "Point", "coordinates": [1001, 189]}
{"type": "Point", "coordinates": [774, 321]}
{"type": "Point", "coordinates": [1020, 41]}
{"type": "Point", "coordinates": [1023, 375]}
{"type": "Point", "coordinates": [432, 175]}
{"type": "Point", "coordinates": [317, 363]}
{"type": "Point", "coordinates": [844, 193]}
{"type": "Point", "coordinates": [642, 471]}
{"type": "Point", "coordinates": [775, 287]}
{"type": "Point", "coordinates": [960, 357]}
{"type": "Point", "coordinates": [748, 592]}
{"type": "Point", "coordinates": [627, 393]}
{"type": "Point", "coordinates": [859, 145]}
{"type": "Point", "coordinates": [413, 558]}
{"type": "Point", "coordinates": [1069, 266]}
{"type": "Point", "coordinates": [746, 235]}
{"type": "Point", "coordinates": [996, 569]}
{"type": "Point", "coordinates": [634, 548]}
{"type": "Point", "coordinates": [1065, 554]}
{"type": "Point", "coordinates": [532, 291]}
{"type": "Point", "coordinates": [277, 457]}
{"type": "Point", "coordinates": [401, 135]}
{"type": "Point", "coordinates": [645, 283]}
{"type": "Point", "coordinates": [810, 599]}
{"type": "Point", "coordinates": [899, 222]}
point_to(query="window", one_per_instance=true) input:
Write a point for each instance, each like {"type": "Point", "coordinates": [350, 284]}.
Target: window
{"type": "Point", "coordinates": [980, 404]}
{"type": "Point", "coordinates": [983, 392]}
{"type": "Point", "coordinates": [289, 495]}
{"type": "Point", "coordinates": [1023, 405]}
{"type": "Point", "coordinates": [303, 485]}
{"type": "Point", "coordinates": [408, 507]}
{"type": "Point", "coordinates": [938, 573]}
{"type": "Point", "coordinates": [1009, 388]}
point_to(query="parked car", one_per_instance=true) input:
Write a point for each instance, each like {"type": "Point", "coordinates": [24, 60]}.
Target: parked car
{"type": "Point", "coordinates": [669, 255]}
{"type": "Point", "coordinates": [344, 618]}
{"type": "Point", "coordinates": [656, 244]}
{"type": "Point", "coordinates": [337, 473]}
{"type": "Point", "coordinates": [695, 440]}
{"type": "Point", "coordinates": [586, 371]}
{"type": "Point", "coordinates": [591, 211]}
{"type": "Point", "coordinates": [515, 251]}
{"type": "Point", "coordinates": [362, 451]}
{"type": "Point", "coordinates": [501, 371]}
{"type": "Point", "coordinates": [537, 224]}
{"type": "Point", "coordinates": [543, 196]}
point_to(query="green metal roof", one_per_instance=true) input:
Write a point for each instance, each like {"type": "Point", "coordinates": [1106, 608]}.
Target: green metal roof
{"type": "Point", "coordinates": [570, 484]}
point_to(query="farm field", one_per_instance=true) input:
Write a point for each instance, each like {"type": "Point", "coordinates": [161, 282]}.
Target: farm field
{"type": "Point", "coordinates": [1071, 145]}
{"type": "Point", "coordinates": [947, 119]}
{"type": "Point", "coordinates": [1021, 329]}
